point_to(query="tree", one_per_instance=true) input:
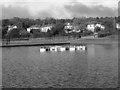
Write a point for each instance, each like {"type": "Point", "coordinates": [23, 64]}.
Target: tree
{"type": "Point", "coordinates": [118, 19]}
{"type": "Point", "coordinates": [16, 21]}
{"type": "Point", "coordinates": [58, 29]}
{"type": "Point", "coordinates": [97, 29]}
{"type": "Point", "coordinates": [5, 22]}
{"type": "Point", "coordinates": [23, 33]}
{"type": "Point", "coordinates": [13, 33]}
{"type": "Point", "coordinates": [109, 24]}
{"type": "Point", "coordinates": [38, 22]}
{"type": "Point", "coordinates": [82, 26]}
{"type": "Point", "coordinates": [4, 31]}
{"type": "Point", "coordinates": [49, 21]}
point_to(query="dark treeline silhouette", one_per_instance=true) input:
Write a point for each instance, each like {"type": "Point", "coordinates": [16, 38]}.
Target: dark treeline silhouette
{"type": "Point", "coordinates": [58, 26]}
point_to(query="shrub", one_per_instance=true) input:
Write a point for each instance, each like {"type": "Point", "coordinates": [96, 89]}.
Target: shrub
{"type": "Point", "coordinates": [23, 33]}
{"type": "Point", "coordinates": [87, 33]}
{"type": "Point", "coordinates": [102, 34]}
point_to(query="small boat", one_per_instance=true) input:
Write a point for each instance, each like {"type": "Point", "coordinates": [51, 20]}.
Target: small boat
{"type": "Point", "coordinates": [47, 49]}
{"type": "Point", "coordinates": [80, 47]}
{"type": "Point", "coordinates": [72, 48]}
{"type": "Point", "coordinates": [61, 48]}
{"type": "Point", "coordinates": [42, 49]}
{"type": "Point", "coordinates": [77, 47]}
{"type": "Point", "coordinates": [83, 47]}
{"type": "Point", "coordinates": [67, 48]}
{"type": "Point", "coordinates": [53, 48]}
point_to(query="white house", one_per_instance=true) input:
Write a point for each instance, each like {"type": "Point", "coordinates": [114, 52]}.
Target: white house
{"type": "Point", "coordinates": [46, 28]}
{"type": "Point", "coordinates": [100, 26]}
{"type": "Point", "coordinates": [41, 29]}
{"type": "Point", "coordinates": [76, 29]}
{"type": "Point", "coordinates": [92, 27]}
{"type": "Point", "coordinates": [11, 27]}
{"type": "Point", "coordinates": [28, 30]}
{"type": "Point", "coordinates": [68, 26]}
{"type": "Point", "coordinates": [117, 25]}
{"type": "Point", "coordinates": [33, 27]}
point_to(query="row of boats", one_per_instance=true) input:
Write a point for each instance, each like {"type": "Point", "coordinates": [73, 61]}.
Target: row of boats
{"type": "Point", "coordinates": [62, 48]}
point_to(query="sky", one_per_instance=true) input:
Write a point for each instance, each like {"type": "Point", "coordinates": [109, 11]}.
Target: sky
{"type": "Point", "coordinates": [58, 8]}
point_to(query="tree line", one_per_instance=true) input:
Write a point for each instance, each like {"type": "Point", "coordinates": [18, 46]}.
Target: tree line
{"type": "Point", "coordinates": [58, 26]}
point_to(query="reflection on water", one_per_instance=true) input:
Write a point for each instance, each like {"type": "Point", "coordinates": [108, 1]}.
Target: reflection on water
{"type": "Point", "coordinates": [94, 67]}
{"type": "Point", "coordinates": [103, 64]}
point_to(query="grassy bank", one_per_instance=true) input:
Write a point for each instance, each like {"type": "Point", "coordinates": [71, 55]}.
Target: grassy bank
{"type": "Point", "coordinates": [95, 41]}
{"type": "Point", "coordinates": [61, 40]}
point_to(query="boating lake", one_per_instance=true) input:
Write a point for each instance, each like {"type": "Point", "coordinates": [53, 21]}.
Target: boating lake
{"type": "Point", "coordinates": [95, 67]}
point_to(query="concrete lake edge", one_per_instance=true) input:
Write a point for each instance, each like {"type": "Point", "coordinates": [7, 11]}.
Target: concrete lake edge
{"type": "Point", "coordinates": [35, 42]}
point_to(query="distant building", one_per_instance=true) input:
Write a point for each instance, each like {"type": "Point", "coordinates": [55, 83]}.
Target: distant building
{"type": "Point", "coordinates": [11, 27]}
{"type": "Point", "coordinates": [68, 26]}
{"type": "Point", "coordinates": [100, 26]}
{"type": "Point", "coordinates": [117, 26]}
{"type": "Point", "coordinates": [46, 28]}
{"type": "Point", "coordinates": [33, 27]}
{"type": "Point", "coordinates": [76, 29]}
{"type": "Point", "coordinates": [40, 28]}
{"type": "Point", "coordinates": [91, 27]}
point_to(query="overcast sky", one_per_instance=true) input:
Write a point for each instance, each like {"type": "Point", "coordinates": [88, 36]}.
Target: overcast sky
{"type": "Point", "coordinates": [58, 8]}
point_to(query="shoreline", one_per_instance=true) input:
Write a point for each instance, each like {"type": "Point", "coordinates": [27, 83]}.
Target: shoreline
{"type": "Point", "coordinates": [95, 41]}
{"type": "Point", "coordinates": [38, 42]}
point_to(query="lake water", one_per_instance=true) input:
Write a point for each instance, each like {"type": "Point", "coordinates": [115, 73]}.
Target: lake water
{"type": "Point", "coordinates": [95, 67]}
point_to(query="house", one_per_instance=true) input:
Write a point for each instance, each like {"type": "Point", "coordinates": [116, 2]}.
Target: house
{"type": "Point", "coordinates": [76, 29]}
{"type": "Point", "coordinates": [33, 27]}
{"type": "Point", "coordinates": [46, 28]}
{"type": "Point", "coordinates": [68, 28]}
{"type": "Point", "coordinates": [100, 26]}
{"type": "Point", "coordinates": [11, 27]}
{"type": "Point", "coordinates": [91, 27]}
{"type": "Point", "coordinates": [117, 26]}
{"type": "Point", "coordinates": [40, 28]}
